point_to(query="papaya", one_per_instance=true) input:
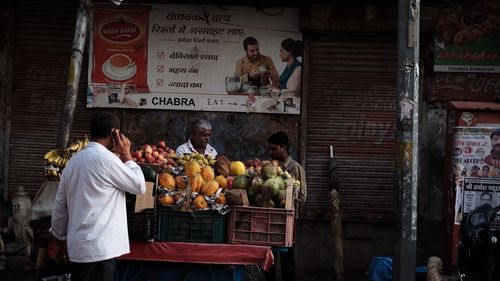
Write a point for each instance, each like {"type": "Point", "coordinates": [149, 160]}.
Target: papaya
{"type": "Point", "coordinates": [199, 202]}
{"type": "Point", "coordinates": [207, 173]}
{"type": "Point", "coordinates": [192, 168]}
{"type": "Point", "coordinates": [221, 180]}
{"type": "Point", "coordinates": [167, 181]}
{"type": "Point", "coordinates": [196, 183]}
{"type": "Point", "coordinates": [209, 188]}
{"type": "Point", "coordinates": [180, 182]}
{"type": "Point", "coordinates": [221, 199]}
{"type": "Point", "coordinates": [166, 200]}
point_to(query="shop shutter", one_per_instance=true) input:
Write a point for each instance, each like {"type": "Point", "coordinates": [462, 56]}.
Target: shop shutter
{"type": "Point", "coordinates": [351, 99]}
{"type": "Point", "coordinates": [43, 40]}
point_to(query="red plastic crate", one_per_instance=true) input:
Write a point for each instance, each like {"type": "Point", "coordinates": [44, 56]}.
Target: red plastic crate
{"type": "Point", "coordinates": [261, 226]}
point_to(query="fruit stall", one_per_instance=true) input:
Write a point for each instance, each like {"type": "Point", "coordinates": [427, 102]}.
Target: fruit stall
{"type": "Point", "coordinates": [217, 215]}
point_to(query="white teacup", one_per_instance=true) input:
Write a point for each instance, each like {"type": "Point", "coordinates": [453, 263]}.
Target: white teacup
{"type": "Point", "coordinates": [120, 63]}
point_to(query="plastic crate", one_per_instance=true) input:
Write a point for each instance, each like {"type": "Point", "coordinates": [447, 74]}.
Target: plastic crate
{"type": "Point", "coordinates": [141, 226]}
{"type": "Point", "coordinates": [198, 226]}
{"type": "Point", "coordinates": [261, 226]}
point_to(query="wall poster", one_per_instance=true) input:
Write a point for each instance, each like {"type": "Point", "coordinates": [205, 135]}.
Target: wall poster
{"type": "Point", "coordinates": [185, 57]}
{"type": "Point", "coordinates": [479, 191]}
{"type": "Point", "coordinates": [467, 37]}
{"type": "Point", "coordinates": [475, 154]}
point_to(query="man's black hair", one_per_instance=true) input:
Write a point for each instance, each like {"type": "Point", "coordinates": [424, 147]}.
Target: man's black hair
{"type": "Point", "coordinates": [279, 138]}
{"type": "Point", "coordinates": [249, 41]}
{"type": "Point", "coordinates": [495, 133]}
{"type": "Point", "coordinates": [486, 193]}
{"type": "Point", "coordinates": [102, 123]}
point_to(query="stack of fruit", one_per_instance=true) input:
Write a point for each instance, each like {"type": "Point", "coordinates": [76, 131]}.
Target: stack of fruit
{"type": "Point", "coordinates": [195, 186]}
{"type": "Point", "coordinates": [265, 183]}
{"type": "Point", "coordinates": [201, 183]}
{"type": "Point", "coordinates": [56, 159]}
{"type": "Point", "coordinates": [157, 154]}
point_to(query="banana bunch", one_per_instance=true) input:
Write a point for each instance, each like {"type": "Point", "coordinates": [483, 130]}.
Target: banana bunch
{"type": "Point", "coordinates": [56, 159]}
{"type": "Point", "coordinates": [203, 160]}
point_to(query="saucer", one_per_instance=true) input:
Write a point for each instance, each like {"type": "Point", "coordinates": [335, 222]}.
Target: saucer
{"type": "Point", "coordinates": [113, 75]}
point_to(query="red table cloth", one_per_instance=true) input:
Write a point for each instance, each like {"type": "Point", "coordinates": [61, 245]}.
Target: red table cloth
{"type": "Point", "coordinates": [232, 254]}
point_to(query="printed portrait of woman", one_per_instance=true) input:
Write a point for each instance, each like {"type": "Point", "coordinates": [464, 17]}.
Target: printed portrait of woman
{"type": "Point", "coordinates": [291, 77]}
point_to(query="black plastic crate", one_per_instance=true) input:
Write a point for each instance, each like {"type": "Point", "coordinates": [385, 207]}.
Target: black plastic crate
{"type": "Point", "coordinates": [142, 226]}
{"type": "Point", "coordinates": [197, 226]}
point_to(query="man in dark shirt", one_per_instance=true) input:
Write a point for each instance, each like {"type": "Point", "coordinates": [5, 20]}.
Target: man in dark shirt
{"type": "Point", "coordinates": [278, 150]}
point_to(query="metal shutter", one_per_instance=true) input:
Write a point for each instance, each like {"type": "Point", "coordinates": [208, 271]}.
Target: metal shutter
{"type": "Point", "coordinates": [351, 103]}
{"type": "Point", "coordinates": [42, 47]}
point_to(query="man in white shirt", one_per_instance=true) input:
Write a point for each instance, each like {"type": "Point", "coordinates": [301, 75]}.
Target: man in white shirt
{"type": "Point", "coordinates": [89, 211]}
{"type": "Point", "coordinates": [201, 131]}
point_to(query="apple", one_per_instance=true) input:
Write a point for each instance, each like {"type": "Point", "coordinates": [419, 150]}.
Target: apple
{"type": "Point", "coordinates": [153, 146]}
{"type": "Point", "coordinates": [160, 150]}
{"type": "Point", "coordinates": [159, 162]}
{"type": "Point", "coordinates": [155, 154]}
{"type": "Point", "coordinates": [148, 149]}
{"type": "Point", "coordinates": [170, 161]}
{"type": "Point", "coordinates": [140, 160]}
{"type": "Point", "coordinates": [164, 153]}
{"type": "Point", "coordinates": [229, 182]}
{"type": "Point", "coordinates": [137, 154]}
{"type": "Point", "coordinates": [150, 159]}
{"type": "Point", "coordinates": [160, 157]}
{"type": "Point", "coordinates": [170, 151]}
{"type": "Point", "coordinates": [162, 144]}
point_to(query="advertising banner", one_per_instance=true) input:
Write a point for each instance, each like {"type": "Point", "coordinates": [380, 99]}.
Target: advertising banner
{"type": "Point", "coordinates": [475, 154]}
{"type": "Point", "coordinates": [479, 191]}
{"type": "Point", "coordinates": [467, 37]}
{"type": "Point", "coordinates": [184, 57]}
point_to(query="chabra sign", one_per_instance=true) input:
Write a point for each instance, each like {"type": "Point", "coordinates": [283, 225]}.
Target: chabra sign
{"type": "Point", "coordinates": [183, 57]}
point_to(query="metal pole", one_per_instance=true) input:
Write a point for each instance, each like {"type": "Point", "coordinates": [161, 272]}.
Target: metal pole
{"type": "Point", "coordinates": [407, 136]}
{"type": "Point", "coordinates": [75, 66]}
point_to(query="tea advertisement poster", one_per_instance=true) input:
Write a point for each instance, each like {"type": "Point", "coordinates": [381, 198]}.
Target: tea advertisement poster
{"type": "Point", "coordinates": [479, 191]}
{"type": "Point", "coordinates": [184, 57]}
{"type": "Point", "coordinates": [467, 37]}
{"type": "Point", "coordinates": [475, 154]}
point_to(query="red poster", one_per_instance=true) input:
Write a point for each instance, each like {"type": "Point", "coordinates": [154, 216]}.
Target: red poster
{"type": "Point", "coordinates": [120, 46]}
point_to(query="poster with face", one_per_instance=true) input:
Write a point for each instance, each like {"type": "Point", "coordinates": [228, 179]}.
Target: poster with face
{"type": "Point", "coordinates": [479, 192]}
{"type": "Point", "coordinates": [475, 154]}
{"type": "Point", "coordinates": [188, 57]}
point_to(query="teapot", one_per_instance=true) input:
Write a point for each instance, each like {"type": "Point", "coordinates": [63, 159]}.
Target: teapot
{"type": "Point", "coordinates": [233, 84]}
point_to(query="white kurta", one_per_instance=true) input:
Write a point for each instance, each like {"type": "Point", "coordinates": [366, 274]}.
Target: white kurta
{"type": "Point", "coordinates": [89, 210]}
{"type": "Point", "coordinates": [188, 148]}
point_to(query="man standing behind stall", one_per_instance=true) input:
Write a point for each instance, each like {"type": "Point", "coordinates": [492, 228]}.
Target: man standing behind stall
{"type": "Point", "coordinates": [89, 210]}
{"type": "Point", "coordinates": [201, 130]}
{"type": "Point", "coordinates": [255, 69]}
{"type": "Point", "coordinates": [278, 150]}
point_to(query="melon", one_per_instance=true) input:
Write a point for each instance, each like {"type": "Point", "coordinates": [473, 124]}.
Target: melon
{"type": "Point", "coordinates": [269, 171]}
{"type": "Point", "coordinates": [240, 182]}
